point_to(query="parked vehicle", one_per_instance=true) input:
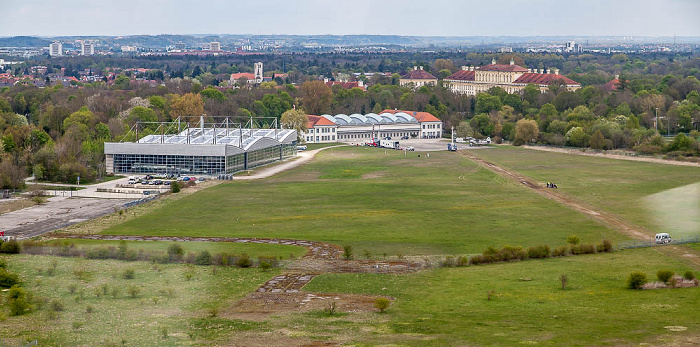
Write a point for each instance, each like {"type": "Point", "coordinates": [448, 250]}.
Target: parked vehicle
{"type": "Point", "coordinates": [201, 179]}
{"type": "Point", "coordinates": [301, 148]}
{"type": "Point", "coordinates": [451, 147]}
{"type": "Point", "coordinates": [389, 144]}
{"type": "Point", "coordinates": [410, 148]}
{"type": "Point", "coordinates": [166, 183]}
{"type": "Point", "coordinates": [663, 238]}
{"type": "Point", "coordinates": [185, 179]}
{"type": "Point", "coordinates": [404, 137]}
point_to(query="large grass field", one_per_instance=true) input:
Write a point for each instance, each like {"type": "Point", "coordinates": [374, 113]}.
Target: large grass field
{"type": "Point", "coordinates": [376, 200]}
{"type": "Point", "coordinates": [449, 306]}
{"type": "Point", "coordinates": [169, 310]}
{"type": "Point", "coordinates": [662, 198]}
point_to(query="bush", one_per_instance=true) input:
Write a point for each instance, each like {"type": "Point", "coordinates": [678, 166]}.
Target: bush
{"type": "Point", "coordinates": [664, 275]}
{"type": "Point", "coordinates": [538, 252]}
{"type": "Point", "coordinates": [129, 274]}
{"type": "Point", "coordinates": [133, 291]}
{"type": "Point", "coordinates": [560, 251]}
{"type": "Point", "coordinates": [636, 280]}
{"type": "Point", "coordinates": [175, 187]}
{"type": "Point", "coordinates": [8, 279]}
{"type": "Point", "coordinates": [607, 246]}
{"type": "Point", "coordinates": [244, 261]}
{"type": "Point", "coordinates": [203, 258]}
{"type": "Point", "coordinates": [511, 253]}
{"type": "Point", "coordinates": [583, 249]}
{"type": "Point", "coordinates": [10, 247]}
{"type": "Point", "coordinates": [462, 261]}
{"type": "Point", "coordinates": [18, 302]}
{"type": "Point", "coordinates": [573, 240]}
{"type": "Point", "coordinates": [477, 259]}
{"type": "Point", "coordinates": [175, 252]}
{"type": "Point", "coordinates": [689, 275]}
{"type": "Point", "coordinates": [448, 262]}
{"type": "Point", "coordinates": [3, 264]}
{"type": "Point", "coordinates": [382, 304]}
{"type": "Point", "coordinates": [57, 305]}
{"type": "Point", "coordinates": [347, 252]}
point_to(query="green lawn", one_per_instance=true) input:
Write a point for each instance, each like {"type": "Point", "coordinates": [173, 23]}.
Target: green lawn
{"type": "Point", "coordinates": [449, 306]}
{"type": "Point", "coordinates": [167, 301]}
{"type": "Point", "coordinates": [252, 249]}
{"type": "Point", "coordinates": [662, 198]}
{"type": "Point", "coordinates": [377, 201]}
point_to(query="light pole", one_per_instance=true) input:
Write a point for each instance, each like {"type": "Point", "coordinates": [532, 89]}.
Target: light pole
{"type": "Point", "coordinates": [656, 123]}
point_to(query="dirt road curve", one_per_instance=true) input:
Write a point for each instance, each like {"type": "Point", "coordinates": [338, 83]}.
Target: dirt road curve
{"type": "Point", "coordinates": [56, 213]}
{"type": "Point", "coordinates": [607, 219]}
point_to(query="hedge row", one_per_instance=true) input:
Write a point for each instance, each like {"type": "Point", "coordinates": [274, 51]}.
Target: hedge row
{"type": "Point", "coordinates": [514, 253]}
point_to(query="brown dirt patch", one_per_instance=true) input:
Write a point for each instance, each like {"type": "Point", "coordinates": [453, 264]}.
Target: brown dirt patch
{"type": "Point", "coordinates": [259, 306]}
{"type": "Point", "coordinates": [15, 204]}
{"type": "Point", "coordinates": [376, 174]}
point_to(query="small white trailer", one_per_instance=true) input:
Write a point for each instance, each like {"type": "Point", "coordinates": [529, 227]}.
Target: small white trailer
{"type": "Point", "coordinates": [389, 144]}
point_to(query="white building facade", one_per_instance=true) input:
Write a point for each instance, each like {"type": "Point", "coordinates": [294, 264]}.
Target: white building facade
{"type": "Point", "coordinates": [56, 49]}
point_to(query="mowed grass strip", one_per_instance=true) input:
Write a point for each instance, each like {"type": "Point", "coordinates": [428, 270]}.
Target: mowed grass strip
{"type": "Point", "coordinates": [252, 249]}
{"type": "Point", "coordinates": [390, 204]}
{"type": "Point", "coordinates": [169, 309]}
{"type": "Point", "coordinates": [618, 186]}
{"type": "Point", "coordinates": [449, 306]}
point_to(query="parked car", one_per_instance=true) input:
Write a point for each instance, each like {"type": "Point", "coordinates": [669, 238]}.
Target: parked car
{"type": "Point", "coordinates": [201, 179]}
{"type": "Point", "coordinates": [301, 148]}
{"type": "Point", "coordinates": [410, 148]}
{"type": "Point", "coordinates": [185, 179]}
{"type": "Point", "coordinates": [167, 183]}
{"type": "Point", "coordinates": [404, 137]}
{"type": "Point", "coordinates": [663, 238]}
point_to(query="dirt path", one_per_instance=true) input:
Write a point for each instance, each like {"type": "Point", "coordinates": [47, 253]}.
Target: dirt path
{"type": "Point", "coordinates": [613, 156]}
{"type": "Point", "coordinates": [613, 222]}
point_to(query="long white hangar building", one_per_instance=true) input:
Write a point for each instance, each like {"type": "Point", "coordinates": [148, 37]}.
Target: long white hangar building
{"type": "Point", "coordinates": [360, 128]}
{"type": "Point", "coordinates": [201, 151]}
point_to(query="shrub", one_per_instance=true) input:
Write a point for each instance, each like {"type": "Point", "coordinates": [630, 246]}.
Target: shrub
{"type": "Point", "coordinates": [89, 309]}
{"type": "Point", "coordinates": [8, 279]}
{"type": "Point", "coordinates": [510, 253]}
{"type": "Point", "coordinates": [689, 275]}
{"type": "Point", "coordinates": [564, 278]}
{"type": "Point", "coordinates": [57, 305]}
{"type": "Point", "coordinates": [381, 304]}
{"type": "Point", "coordinates": [347, 252]}
{"type": "Point", "coordinates": [244, 261]}
{"type": "Point", "coordinates": [448, 262]}
{"type": "Point", "coordinates": [129, 274]}
{"type": "Point", "coordinates": [264, 266]}
{"type": "Point", "coordinates": [664, 275]}
{"type": "Point", "coordinates": [72, 288]}
{"type": "Point", "coordinates": [114, 292]}
{"type": "Point", "coordinates": [607, 246]}
{"type": "Point", "coordinates": [18, 302]}
{"type": "Point", "coordinates": [175, 252]}
{"type": "Point", "coordinates": [477, 259]}
{"type": "Point", "coordinates": [538, 252]}
{"type": "Point", "coordinates": [10, 247]}
{"type": "Point", "coordinates": [203, 258]}
{"type": "Point", "coordinates": [175, 187]}
{"type": "Point", "coordinates": [462, 261]}
{"type": "Point", "coordinates": [560, 251]}
{"type": "Point", "coordinates": [636, 280]}
{"type": "Point", "coordinates": [133, 291]}
{"type": "Point", "coordinates": [573, 240]}
{"type": "Point", "coordinates": [3, 264]}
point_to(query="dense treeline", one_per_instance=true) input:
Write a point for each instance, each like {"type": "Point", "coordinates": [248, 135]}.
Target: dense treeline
{"type": "Point", "coordinates": [57, 133]}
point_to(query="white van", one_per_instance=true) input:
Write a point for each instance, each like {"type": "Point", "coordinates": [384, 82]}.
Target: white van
{"type": "Point", "coordinates": [132, 179]}
{"type": "Point", "coordinates": [663, 238]}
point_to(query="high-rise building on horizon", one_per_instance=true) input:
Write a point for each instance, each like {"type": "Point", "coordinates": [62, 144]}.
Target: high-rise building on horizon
{"type": "Point", "coordinates": [87, 48]}
{"type": "Point", "coordinates": [56, 49]}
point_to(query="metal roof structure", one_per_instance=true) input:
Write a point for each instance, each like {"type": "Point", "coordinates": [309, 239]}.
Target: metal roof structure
{"type": "Point", "coordinates": [371, 118]}
{"type": "Point", "coordinates": [245, 139]}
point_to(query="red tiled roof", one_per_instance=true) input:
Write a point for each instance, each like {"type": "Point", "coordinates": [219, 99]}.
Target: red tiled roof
{"type": "Point", "coordinates": [247, 75]}
{"type": "Point", "coordinates": [462, 75]}
{"type": "Point", "coordinates": [317, 120]}
{"type": "Point", "coordinates": [543, 78]}
{"type": "Point", "coordinates": [502, 67]}
{"type": "Point", "coordinates": [419, 75]}
{"type": "Point", "coordinates": [612, 85]}
{"type": "Point", "coordinates": [420, 116]}
{"type": "Point", "coordinates": [345, 85]}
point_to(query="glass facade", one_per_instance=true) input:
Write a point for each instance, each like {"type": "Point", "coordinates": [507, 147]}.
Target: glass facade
{"type": "Point", "coordinates": [201, 165]}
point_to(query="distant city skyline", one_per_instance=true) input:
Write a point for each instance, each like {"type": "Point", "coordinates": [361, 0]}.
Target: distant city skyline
{"type": "Point", "coordinates": [362, 17]}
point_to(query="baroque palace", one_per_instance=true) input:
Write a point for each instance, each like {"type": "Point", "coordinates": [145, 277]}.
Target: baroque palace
{"type": "Point", "coordinates": [472, 80]}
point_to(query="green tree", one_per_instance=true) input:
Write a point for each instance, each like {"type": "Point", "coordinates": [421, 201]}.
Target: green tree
{"type": "Point", "coordinates": [294, 119]}
{"type": "Point", "coordinates": [597, 141]}
{"type": "Point", "coordinates": [464, 130]}
{"type": "Point", "coordinates": [526, 130]}
{"type": "Point", "coordinates": [213, 94]}
{"type": "Point", "coordinates": [316, 97]}
{"type": "Point", "coordinates": [486, 103]}
{"type": "Point", "coordinates": [576, 137]}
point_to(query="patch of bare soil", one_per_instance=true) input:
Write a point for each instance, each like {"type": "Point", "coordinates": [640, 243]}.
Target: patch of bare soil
{"type": "Point", "coordinates": [601, 216]}
{"type": "Point", "coordinates": [259, 306]}
{"type": "Point", "coordinates": [376, 174]}
{"type": "Point", "coordinates": [15, 204]}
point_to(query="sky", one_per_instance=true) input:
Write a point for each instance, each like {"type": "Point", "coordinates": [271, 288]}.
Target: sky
{"type": "Point", "coordinates": [347, 17]}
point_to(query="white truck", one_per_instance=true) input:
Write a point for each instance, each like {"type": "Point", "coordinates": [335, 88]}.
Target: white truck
{"type": "Point", "coordinates": [389, 144]}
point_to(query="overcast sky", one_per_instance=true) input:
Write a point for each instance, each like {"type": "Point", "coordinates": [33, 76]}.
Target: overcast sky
{"type": "Point", "coordinates": [382, 17]}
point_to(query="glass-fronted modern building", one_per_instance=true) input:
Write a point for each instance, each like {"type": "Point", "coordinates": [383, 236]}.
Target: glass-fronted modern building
{"type": "Point", "coordinates": [201, 151]}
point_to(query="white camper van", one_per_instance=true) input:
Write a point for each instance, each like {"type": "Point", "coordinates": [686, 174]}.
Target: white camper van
{"type": "Point", "coordinates": [663, 238]}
